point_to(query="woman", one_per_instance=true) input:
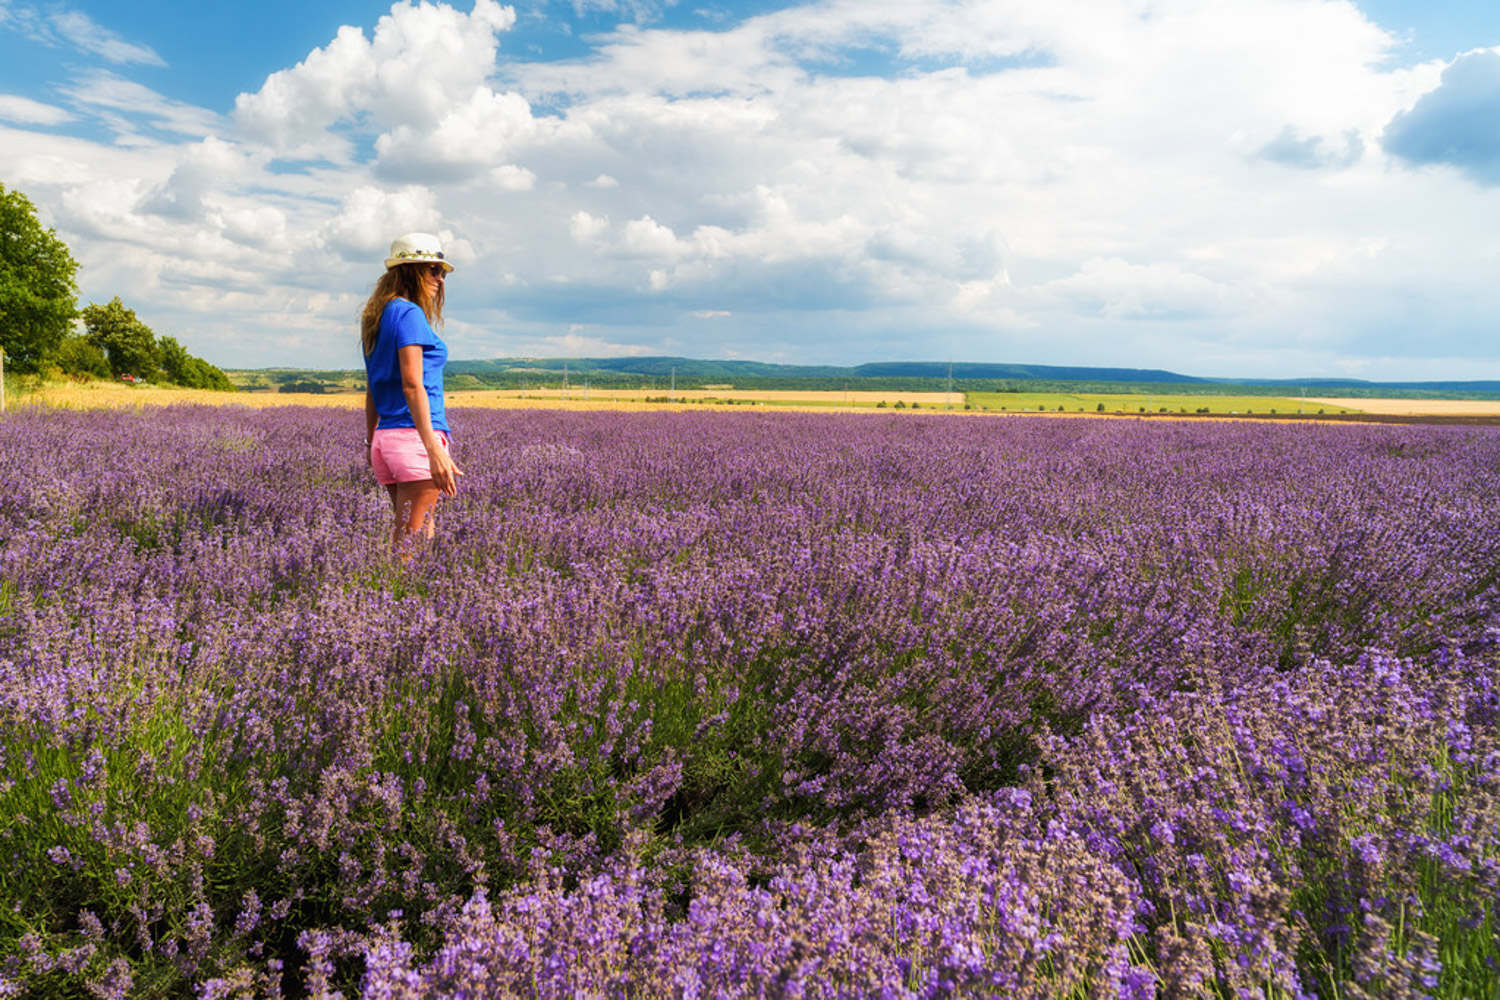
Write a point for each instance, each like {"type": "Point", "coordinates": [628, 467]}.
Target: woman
{"type": "Point", "coordinates": [406, 429]}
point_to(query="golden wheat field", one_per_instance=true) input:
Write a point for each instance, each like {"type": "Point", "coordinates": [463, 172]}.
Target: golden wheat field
{"type": "Point", "coordinates": [96, 395]}
{"type": "Point", "coordinates": [821, 398]}
{"type": "Point", "coordinates": [1417, 407]}
{"type": "Point", "coordinates": [91, 395]}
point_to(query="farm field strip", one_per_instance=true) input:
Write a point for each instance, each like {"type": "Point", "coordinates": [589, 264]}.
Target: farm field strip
{"type": "Point", "coordinates": [829, 397]}
{"type": "Point", "coordinates": [115, 395]}
{"type": "Point", "coordinates": [106, 394]}
{"type": "Point", "coordinates": [1415, 407]}
{"type": "Point", "coordinates": [762, 702]}
{"type": "Point", "coordinates": [1132, 403]}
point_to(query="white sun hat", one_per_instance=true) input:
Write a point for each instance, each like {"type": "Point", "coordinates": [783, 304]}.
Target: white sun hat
{"type": "Point", "coordinates": [417, 248]}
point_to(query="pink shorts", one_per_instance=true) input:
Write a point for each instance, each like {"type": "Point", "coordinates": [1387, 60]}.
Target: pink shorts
{"type": "Point", "coordinates": [397, 455]}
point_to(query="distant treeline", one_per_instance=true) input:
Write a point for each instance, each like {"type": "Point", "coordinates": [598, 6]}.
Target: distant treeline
{"type": "Point", "coordinates": [901, 373]}
{"type": "Point", "coordinates": [667, 374]}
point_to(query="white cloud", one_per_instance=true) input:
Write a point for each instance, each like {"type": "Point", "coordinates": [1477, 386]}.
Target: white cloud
{"type": "Point", "coordinates": [370, 217]}
{"type": "Point", "coordinates": [645, 237]}
{"type": "Point", "coordinates": [421, 62]}
{"type": "Point", "coordinates": [211, 164]}
{"type": "Point", "coordinates": [1160, 183]}
{"type": "Point", "coordinates": [126, 105]}
{"type": "Point", "coordinates": [260, 225]}
{"type": "Point", "coordinates": [585, 228]}
{"type": "Point", "coordinates": [575, 344]}
{"type": "Point", "coordinates": [510, 177]}
{"type": "Point", "coordinates": [81, 30]}
{"type": "Point", "coordinates": [58, 26]}
{"type": "Point", "coordinates": [466, 139]}
{"type": "Point", "coordinates": [1120, 290]}
{"type": "Point", "coordinates": [25, 111]}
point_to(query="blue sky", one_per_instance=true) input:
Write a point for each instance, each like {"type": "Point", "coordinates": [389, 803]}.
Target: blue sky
{"type": "Point", "coordinates": [1273, 188]}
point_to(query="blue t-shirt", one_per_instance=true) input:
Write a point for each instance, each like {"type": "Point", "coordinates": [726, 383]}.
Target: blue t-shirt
{"type": "Point", "coordinates": [402, 324]}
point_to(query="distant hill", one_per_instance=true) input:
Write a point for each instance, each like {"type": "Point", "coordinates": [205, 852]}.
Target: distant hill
{"type": "Point", "coordinates": [662, 367]}
{"type": "Point", "coordinates": [1479, 386]}
{"type": "Point", "coordinates": [697, 369]}
{"type": "Point", "coordinates": [688, 373]}
{"type": "Point", "coordinates": [1051, 373]}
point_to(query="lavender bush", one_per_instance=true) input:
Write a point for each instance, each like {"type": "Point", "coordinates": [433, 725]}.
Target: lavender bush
{"type": "Point", "coordinates": [750, 705]}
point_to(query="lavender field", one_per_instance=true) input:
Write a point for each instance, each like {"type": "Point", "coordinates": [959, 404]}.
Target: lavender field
{"type": "Point", "coordinates": [747, 705]}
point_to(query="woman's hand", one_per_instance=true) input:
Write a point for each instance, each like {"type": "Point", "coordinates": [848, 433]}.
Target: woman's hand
{"type": "Point", "coordinates": [445, 471]}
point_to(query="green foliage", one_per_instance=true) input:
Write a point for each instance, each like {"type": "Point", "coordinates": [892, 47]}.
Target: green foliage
{"type": "Point", "coordinates": [174, 359]}
{"type": "Point", "coordinates": [207, 376]}
{"type": "Point", "coordinates": [132, 349]}
{"type": "Point", "coordinates": [1131, 402]}
{"type": "Point", "coordinates": [79, 356]}
{"type": "Point", "coordinates": [37, 289]}
{"type": "Point", "coordinates": [181, 368]}
{"type": "Point", "coordinates": [130, 344]}
{"type": "Point", "coordinates": [305, 385]}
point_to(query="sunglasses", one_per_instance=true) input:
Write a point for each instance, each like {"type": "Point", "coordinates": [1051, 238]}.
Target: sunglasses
{"type": "Point", "coordinates": [437, 271]}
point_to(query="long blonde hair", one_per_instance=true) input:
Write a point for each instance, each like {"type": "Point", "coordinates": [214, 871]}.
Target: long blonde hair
{"type": "Point", "coordinates": [404, 281]}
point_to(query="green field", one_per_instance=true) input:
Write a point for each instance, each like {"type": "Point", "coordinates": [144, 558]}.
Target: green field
{"type": "Point", "coordinates": [1011, 402]}
{"type": "Point", "coordinates": [1090, 402]}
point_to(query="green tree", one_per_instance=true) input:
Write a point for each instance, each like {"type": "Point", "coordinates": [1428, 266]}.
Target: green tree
{"type": "Point", "coordinates": [79, 356]}
{"type": "Point", "coordinates": [175, 360]}
{"type": "Point", "coordinates": [182, 368]}
{"type": "Point", "coordinates": [38, 296]}
{"type": "Point", "coordinates": [130, 344]}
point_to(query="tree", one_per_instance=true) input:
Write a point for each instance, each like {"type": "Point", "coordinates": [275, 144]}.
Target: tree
{"type": "Point", "coordinates": [175, 360]}
{"type": "Point", "coordinates": [130, 344]}
{"type": "Point", "coordinates": [181, 368]}
{"type": "Point", "coordinates": [207, 376]}
{"type": "Point", "coordinates": [78, 356]}
{"type": "Point", "coordinates": [38, 296]}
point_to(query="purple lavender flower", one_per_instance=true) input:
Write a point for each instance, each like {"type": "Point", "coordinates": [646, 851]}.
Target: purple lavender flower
{"type": "Point", "coordinates": [751, 704]}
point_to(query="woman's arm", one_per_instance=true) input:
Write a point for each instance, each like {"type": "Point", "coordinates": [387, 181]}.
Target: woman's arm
{"type": "Point", "coordinates": [445, 472]}
{"type": "Point", "coordinates": [372, 417]}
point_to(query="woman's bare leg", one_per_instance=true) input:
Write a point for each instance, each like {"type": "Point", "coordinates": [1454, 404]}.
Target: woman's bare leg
{"type": "Point", "coordinates": [412, 505]}
{"type": "Point", "coordinates": [390, 489]}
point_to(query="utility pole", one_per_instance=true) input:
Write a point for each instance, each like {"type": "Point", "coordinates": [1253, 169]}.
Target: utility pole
{"type": "Point", "coordinates": [674, 381]}
{"type": "Point", "coordinates": [950, 385]}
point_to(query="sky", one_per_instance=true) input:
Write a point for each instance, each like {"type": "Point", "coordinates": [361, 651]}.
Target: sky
{"type": "Point", "coordinates": [1229, 188]}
